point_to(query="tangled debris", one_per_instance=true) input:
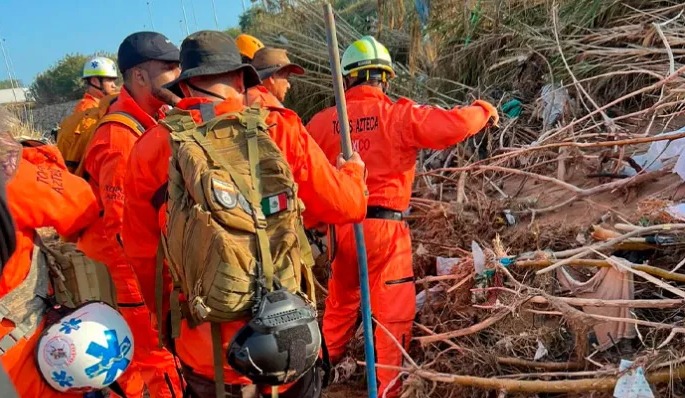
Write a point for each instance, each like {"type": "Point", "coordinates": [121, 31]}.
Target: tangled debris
{"type": "Point", "coordinates": [554, 198]}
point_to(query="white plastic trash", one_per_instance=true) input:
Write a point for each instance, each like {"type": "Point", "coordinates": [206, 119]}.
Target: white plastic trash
{"type": "Point", "coordinates": [445, 265]}
{"type": "Point", "coordinates": [478, 258]}
{"type": "Point", "coordinates": [633, 383]}
{"type": "Point", "coordinates": [423, 295]}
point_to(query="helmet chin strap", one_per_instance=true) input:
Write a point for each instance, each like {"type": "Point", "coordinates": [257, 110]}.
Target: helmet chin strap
{"type": "Point", "coordinates": [100, 88]}
{"type": "Point", "coordinates": [206, 92]}
{"type": "Point", "coordinates": [367, 77]}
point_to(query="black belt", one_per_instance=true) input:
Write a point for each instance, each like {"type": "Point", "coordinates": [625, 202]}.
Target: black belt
{"type": "Point", "coordinates": [383, 213]}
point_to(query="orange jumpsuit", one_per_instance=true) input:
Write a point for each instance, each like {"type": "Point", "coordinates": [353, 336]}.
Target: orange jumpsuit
{"type": "Point", "coordinates": [332, 196]}
{"type": "Point", "coordinates": [388, 136]}
{"type": "Point", "coordinates": [41, 194]}
{"type": "Point", "coordinates": [260, 95]}
{"type": "Point", "coordinates": [105, 162]}
{"type": "Point", "coordinates": [88, 101]}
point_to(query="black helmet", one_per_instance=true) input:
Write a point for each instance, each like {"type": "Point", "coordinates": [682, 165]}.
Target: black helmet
{"type": "Point", "coordinates": [280, 343]}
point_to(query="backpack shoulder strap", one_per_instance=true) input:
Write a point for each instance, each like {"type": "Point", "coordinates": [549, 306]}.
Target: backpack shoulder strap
{"type": "Point", "coordinates": [218, 360]}
{"type": "Point", "coordinates": [257, 115]}
{"type": "Point", "coordinates": [125, 119]}
{"type": "Point", "coordinates": [178, 120]}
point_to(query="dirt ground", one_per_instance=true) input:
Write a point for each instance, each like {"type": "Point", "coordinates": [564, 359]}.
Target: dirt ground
{"type": "Point", "coordinates": [344, 391]}
{"type": "Point", "coordinates": [621, 203]}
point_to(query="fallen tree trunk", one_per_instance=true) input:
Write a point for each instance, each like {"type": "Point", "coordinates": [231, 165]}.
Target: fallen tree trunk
{"type": "Point", "coordinates": [583, 302]}
{"type": "Point", "coordinates": [536, 386]}
{"type": "Point", "coordinates": [540, 365]}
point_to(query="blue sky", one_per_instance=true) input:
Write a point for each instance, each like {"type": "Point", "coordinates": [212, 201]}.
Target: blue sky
{"type": "Point", "coordinates": [37, 33]}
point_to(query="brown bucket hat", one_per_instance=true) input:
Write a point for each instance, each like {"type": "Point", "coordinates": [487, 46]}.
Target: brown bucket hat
{"type": "Point", "coordinates": [269, 61]}
{"type": "Point", "coordinates": [210, 52]}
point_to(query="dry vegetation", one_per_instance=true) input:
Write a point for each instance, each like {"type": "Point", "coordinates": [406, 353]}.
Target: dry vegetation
{"type": "Point", "coordinates": [620, 65]}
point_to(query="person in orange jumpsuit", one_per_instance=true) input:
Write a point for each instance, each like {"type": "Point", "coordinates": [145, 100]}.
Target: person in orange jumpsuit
{"type": "Point", "coordinates": [148, 61]}
{"type": "Point", "coordinates": [274, 69]}
{"type": "Point", "coordinates": [99, 76]}
{"type": "Point", "coordinates": [388, 135]}
{"type": "Point", "coordinates": [212, 73]}
{"type": "Point", "coordinates": [40, 193]}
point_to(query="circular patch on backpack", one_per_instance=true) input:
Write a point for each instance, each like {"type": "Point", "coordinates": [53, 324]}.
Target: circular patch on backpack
{"type": "Point", "coordinates": [225, 193]}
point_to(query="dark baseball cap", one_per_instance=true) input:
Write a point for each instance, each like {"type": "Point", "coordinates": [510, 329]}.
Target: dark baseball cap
{"type": "Point", "coordinates": [146, 46]}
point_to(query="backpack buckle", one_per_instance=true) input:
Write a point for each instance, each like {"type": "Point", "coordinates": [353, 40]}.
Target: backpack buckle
{"type": "Point", "coordinates": [200, 307]}
{"type": "Point", "coordinates": [251, 130]}
{"type": "Point", "coordinates": [259, 218]}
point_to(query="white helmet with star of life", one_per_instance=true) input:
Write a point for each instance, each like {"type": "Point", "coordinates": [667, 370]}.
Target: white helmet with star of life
{"type": "Point", "coordinates": [99, 67]}
{"type": "Point", "coordinates": [86, 350]}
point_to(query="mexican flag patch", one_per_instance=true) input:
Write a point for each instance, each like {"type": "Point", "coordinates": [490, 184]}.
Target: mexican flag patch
{"type": "Point", "coordinates": [275, 204]}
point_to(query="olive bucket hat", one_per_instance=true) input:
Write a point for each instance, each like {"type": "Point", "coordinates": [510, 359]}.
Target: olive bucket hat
{"type": "Point", "coordinates": [210, 52]}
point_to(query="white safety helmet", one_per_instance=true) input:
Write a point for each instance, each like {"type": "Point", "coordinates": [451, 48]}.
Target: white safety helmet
{"type": "Point", "coordinates": [99, 67]}
{"type": "Point", "coordinates": [86, 350]}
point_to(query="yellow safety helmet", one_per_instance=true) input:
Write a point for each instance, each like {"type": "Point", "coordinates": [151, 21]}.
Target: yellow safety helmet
{"type": "Point", "coordinates": [248, 45]}
{"type": "Point", "coordinates": [366, 53]}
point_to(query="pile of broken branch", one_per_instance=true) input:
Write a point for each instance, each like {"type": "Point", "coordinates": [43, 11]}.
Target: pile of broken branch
{"type": "Point", "coordinates": [564, 256]}
{"type": "Point", "coordinates": [579, 281]}
{"type": "Point", "coordinates": [544, 251]}
{"type": "Point", "coordinates": [516, 323]}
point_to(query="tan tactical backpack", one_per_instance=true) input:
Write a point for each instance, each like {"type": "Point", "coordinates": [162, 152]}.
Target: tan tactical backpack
{"type": "Point", "coordinates": [75, 280]}
{"type": "Point", "coordinates": [233, 217]}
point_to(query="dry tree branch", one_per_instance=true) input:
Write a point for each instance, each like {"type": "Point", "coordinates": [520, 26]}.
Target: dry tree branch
{"type": "Point", "coordinates": [579, 192]}
{"type": "Point", "coordinates": [560, 374]}
{"type": "Point", "coordinates": [627, 141]}
{"type": "Point", "coordinates": [449, 342]}
{"type": "Point", "coordinates": [643, 90]}
{"type": "Point", "coordinates": [583, 302]}
{"type": "Point", "coordinates": [465, 331]}
{"type": "Point", "coordinates": [603, 263]}
{"type": "Point", "coordinates": [540, 365]}
{"type": "Point", "coordinates": [612, 242]}
{"type": "Point", "coordinates": [625, 265]}
{"type": "Point", "coordinates": [397, 343]}
{"type": "Point", "coordinates": [610, 124]}
{"type": "Point", "coordinates": [580, 314]}
{"type": "Point", "coordinates": [461, 282]}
